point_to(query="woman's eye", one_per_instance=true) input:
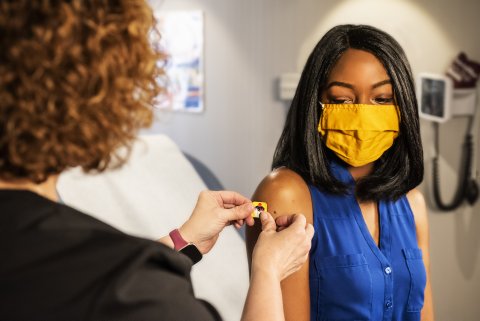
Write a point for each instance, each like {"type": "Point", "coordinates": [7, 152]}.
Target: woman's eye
{"type": "Point", "coordinates": [343, 100]}
{"type": "Point", "coordinates": [383, 100]}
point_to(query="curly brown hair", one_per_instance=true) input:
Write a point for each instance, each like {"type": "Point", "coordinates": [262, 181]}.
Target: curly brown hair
{"type": "Point", "coordinates": [77, 81]}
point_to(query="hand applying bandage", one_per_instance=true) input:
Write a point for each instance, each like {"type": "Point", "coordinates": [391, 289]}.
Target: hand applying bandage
{"type": "Point", "coordinates": [213, 212]}
{"type": "Point", "coordinates": [281, 249]}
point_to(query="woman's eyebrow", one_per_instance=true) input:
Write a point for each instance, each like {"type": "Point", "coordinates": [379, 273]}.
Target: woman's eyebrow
{"type": "Point", "coordinates": [381, 83]}
{"type": "Point", "coordinates": [347, 85]}
{"type": "Point", "coordinates": [341, 84]}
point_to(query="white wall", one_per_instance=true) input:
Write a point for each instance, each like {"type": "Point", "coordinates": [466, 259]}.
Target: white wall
{"type": "Point", "coordinates": [248, 44]}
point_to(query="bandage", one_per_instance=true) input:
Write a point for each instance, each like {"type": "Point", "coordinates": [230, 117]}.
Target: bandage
{"type": "Point", "coordinates": [258, 208]}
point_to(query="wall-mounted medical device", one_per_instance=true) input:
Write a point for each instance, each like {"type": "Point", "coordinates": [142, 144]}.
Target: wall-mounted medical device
{"type": "Point", "coordinates": [439, 101]}
{"type": "Point", "coordinates": [435, 97]}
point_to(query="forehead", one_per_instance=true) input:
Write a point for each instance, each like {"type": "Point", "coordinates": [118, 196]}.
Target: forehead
{"type": "Point", "coordinates": [358, 66]}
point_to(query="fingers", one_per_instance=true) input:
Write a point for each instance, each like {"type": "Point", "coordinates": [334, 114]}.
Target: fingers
{"type": "Point", "coordinates": [268, 223]}
{"type": "Point", "coordinates": [239, 213]}
{"type": "Point", "coordinates": [238, 224]}
{"type": "Point", "coordinates": [310, 231]}
{"type": "Point", "coordinates": [288, 249]}
{"type": "Point", "coordinates": [249, 220]}
{"type": "Point", "coordinates": [284, 220]}
{"type": "Point", "coordinates": [229, 198]}
{"type": "Point", "coordinates": [298, 220]}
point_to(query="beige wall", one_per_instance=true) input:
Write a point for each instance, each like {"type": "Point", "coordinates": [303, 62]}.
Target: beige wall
{"type": "Point", "coordinates": [248, 44]}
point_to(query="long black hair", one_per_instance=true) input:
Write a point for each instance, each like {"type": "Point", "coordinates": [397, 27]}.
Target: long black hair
{"type": "Point", "coordinates": [301, 148]}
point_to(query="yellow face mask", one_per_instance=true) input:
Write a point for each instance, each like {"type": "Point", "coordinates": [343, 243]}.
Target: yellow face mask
{"type": "Point", "coordinates": [357, 133]}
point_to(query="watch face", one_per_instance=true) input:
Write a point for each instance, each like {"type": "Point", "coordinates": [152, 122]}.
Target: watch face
{"type": "Point", "coordinates": [192, 252]}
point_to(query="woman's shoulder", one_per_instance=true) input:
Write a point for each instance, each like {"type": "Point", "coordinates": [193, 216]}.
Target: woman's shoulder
{"type": "Point", "coordinates": [284, 176]}
{"type": "Point", "coordinates": [285, 192]}
{"type": "Point", "coordinates": [419, 209]}
{"type": "Point", "coordinates": [284, 181]}
{"type": "Point", "coordinates": [417, 202]}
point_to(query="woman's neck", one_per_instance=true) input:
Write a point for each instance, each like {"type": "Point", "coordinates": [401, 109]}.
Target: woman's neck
{"type": "Point", "coordinates": [46, 189]}
{"type": "Point", "coordinates": [361, 171]}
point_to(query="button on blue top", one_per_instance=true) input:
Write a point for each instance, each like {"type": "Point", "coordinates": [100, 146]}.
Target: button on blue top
{"type": "Point", "coordinates": [353, 278]}
{"type": "Point", "coordinates": [388, 304]}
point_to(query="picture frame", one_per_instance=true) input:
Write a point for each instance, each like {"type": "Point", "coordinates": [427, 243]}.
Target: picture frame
{"type": "Point", "coordinates": [181, 40]}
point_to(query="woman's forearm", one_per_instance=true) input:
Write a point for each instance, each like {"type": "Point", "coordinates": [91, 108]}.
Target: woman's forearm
{"type": "Point", "coordinates": [264, 298]}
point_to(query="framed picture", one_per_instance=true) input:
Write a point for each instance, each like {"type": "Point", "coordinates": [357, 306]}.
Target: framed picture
{"type": "Point", "coordinates": [434, 97]}
{"type": "Point", "coordinates": [181, 40]}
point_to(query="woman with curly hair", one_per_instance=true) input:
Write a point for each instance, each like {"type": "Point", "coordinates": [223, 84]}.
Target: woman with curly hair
{"type": "Point", "coordinates": [77, 82]}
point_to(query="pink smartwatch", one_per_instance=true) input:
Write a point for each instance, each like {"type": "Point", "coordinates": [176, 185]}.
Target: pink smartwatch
{"type": "Point", "coordinates": [187, 248]}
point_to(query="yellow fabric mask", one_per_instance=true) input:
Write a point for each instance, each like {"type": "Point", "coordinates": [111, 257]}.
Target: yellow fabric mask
{"type": "Point", "coordinates": [359, 133]}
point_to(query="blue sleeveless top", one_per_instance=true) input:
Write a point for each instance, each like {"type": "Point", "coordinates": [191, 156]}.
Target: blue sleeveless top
{"type": "Point", "coordinates": [351, 278]}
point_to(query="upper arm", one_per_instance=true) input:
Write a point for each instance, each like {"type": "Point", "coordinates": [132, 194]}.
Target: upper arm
{"type": "Point", "coordinates": [285, 192]}
{"type": "Point", "coordinates": [419, 209]}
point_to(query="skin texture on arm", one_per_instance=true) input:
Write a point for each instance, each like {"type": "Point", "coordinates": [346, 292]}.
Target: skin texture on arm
{"type": "Point", "coordinates": [286, 193]}
{"type": "Point", "coordinates": [417, 203]}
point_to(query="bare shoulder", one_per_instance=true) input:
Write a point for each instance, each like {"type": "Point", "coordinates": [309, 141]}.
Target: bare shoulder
{"type": "Point", "coordinates": [417, 203]}
{"type": "Point", "coordinates": [285, 193]}
{"type": "Point", "coordinates": [419, 209]}
{"type": "Point", "coordinates": [283, 180]}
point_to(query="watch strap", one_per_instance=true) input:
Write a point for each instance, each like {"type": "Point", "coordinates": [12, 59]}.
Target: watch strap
{"type": "Point", "coordinates": [178, 241]}
{"type": "Point", "coordinates": [182, 246]}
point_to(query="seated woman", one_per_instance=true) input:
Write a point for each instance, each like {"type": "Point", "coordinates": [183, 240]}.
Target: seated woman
{"type": "Point", "coordinates": [350, 158]}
